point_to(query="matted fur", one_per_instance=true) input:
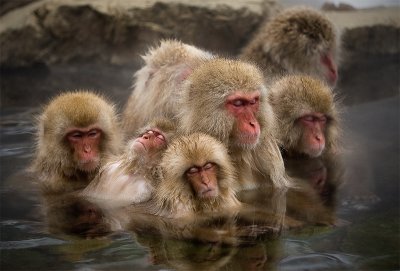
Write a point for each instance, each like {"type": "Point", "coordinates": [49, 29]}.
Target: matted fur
{"type": "Point", "coordinates": [53, 164]}
{"type": "Point", "coordinates": [203, 110]}
{"type": "Point", "coordinates": [158, 82]}
{"type": "Point", "coordinates": [174, 196]}
{"type": "Point", "coordinates": [294, 96]}
{"type": "Point", "coordinates": [292, 42]}
{"type": "Point", "coordinates": [131, 177]}
{"type": "Point", "coordinates": [205, 92]}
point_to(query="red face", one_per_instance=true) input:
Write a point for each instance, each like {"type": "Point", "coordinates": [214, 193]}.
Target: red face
{"type": "Point", "coordinates": [330, 69]}
{"type": "Point", "coordinates": [150, 142]}
{"type": "Point", "coordinates": [313, 138]}
{"type": "Point", "coordinates": [203, 180]}
{"type": "Point", "coordinates": [244, 107]}
{"type": "Point", "coordinates": [85, 143]}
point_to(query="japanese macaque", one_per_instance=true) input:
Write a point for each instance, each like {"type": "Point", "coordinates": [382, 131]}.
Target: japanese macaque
{"type": "Point", "coordinates": [307, 116]}
{"type": "Point", "coordinates": [228, 100]}
{"type": "Point", "coordinates": [130, 178]}
{"type": "Point", "coordinates": [223, 98]}
{"type": "Point", "coordinates": [158, 82]}
{"type": "Point", "coordinates": [313, 200]}
{"type": "Point", "coordinates": [76, 132]}
{"type": "Point", "coordinates": [297, 41]}
{"type": "Point", "coordinates": [198, 176]}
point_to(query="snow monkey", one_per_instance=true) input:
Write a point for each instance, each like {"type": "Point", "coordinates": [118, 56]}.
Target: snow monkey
{"type": "Point", "coordinates": [75, 133]}
{"type": "Point", "coordinates": [228, 100]}
{"type": "Point", "coordinates": [198, 176]}
{"type": "Point", "coordinates": [308, 117]}
{"type": "Point", "coordinates": [130, 177]}
{"type": "Point", "coordinates": [158, 82]}
{"type": "Point", "coordinates": [224, 98]}
{"type": "Point", "coordinates": [299, 40]}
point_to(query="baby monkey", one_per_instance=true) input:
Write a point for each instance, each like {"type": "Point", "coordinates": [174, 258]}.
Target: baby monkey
{"type": "Point", "coordinates": [130, 178]}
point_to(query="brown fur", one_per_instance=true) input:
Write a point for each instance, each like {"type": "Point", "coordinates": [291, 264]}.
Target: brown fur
{"type": "Point", "coordinates": [53, 161]}
{"type": "Point", "coordinates": [292, 42]}
{"type": "Point", "coordinates": [174, 196]}
{"type": "Point", "coordinates": [294, 96]}
{"type": "Point", "coordinates": [202, 110]}
{"type": "Point", "coordinates": [158, 82]}
{"type": "Point", "coordinates": [130, 178]}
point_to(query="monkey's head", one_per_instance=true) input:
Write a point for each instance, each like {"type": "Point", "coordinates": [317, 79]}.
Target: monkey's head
{"type": "Point", "coordinates": [151, 140]}
{"type": "Point", "coordinates": [303, 40]}
{"type": "Point", "coordinates": [171, 52]}
{"type": "Point", "coordinates": [306, 113]}
{"type": "Point", "coordinates": [198, 173]}
{"type": "Point", "coordinates": [226, 99]}
{"type": "Point", "coordinates": [76, 130]}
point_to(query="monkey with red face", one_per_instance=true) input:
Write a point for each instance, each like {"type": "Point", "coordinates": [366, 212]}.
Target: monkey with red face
{"type": "Point", "coordinates": [77, 131]}
{"type": "Point", "coordinates": [197, 177]}
{"type": "Point", "coordinates": [131, 177]}
{"type": "Point", "coordinates": [307, 114]}
{"type": "Point", "coordinates": [298, 40]}
{"type": "Point", "coordinates": [228, 100]}
{"type": "Point", "coordinates": [224, 98]}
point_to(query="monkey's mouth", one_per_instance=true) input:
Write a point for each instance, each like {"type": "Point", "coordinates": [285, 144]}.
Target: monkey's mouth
{"type": "Point", "coordinates": [248, 140]}
{"type": "Point", "coordinates": [89, 165]}
{"type": "Point", "coordinates": [209, 193]}
{"type": "Point", "coordinates": [139, 146]}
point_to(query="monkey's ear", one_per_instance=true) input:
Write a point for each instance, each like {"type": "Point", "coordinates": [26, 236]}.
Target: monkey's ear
{"type": "Point", "coordinates": [184, 72]}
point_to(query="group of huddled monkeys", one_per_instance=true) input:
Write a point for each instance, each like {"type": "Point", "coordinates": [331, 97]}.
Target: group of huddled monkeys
{"type": "Point", "coordinates": [199, 128]}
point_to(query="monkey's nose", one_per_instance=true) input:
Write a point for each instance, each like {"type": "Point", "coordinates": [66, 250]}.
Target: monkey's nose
{"type": "Point", "coordinates": [86, 148]}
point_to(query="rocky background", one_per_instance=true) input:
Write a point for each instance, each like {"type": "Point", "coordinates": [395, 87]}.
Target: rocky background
{"type": "Point", "coordinates": [50, 46]}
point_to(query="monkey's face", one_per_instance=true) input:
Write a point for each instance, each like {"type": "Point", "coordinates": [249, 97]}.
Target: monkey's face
{"type": "Point", "coordinates": [244, 107]}
{"type": "Point", "coordinates": [150, 142]}
{"type": "Point", "coordinates": [85, 146]}
{"type": "Point", "coordinates": [313, 136]}
{"type": "Point", "coordinates": [203, 180]}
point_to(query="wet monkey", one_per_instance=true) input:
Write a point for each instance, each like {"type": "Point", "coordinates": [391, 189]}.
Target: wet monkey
{"type": "Point", "coordinates": [221, 97]}
{"type": "Point", "coordinates": [76, 132]}
{"type": "Point", "coordinates": [197, 176]}
{"type": "Point", "coordinates": [228, 100]}
{"type": "Point", "coordinates": [131, 177]}
{"type": "Point", "coordinates": [308, 116]}
{"type": "Point", "coordinates": [298, 40]}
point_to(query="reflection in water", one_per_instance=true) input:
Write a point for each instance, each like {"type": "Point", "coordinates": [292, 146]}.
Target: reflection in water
{"type": "Point", "coordinates": [301, 228]}
{"type": "Point", "coordinates": [312, 201]}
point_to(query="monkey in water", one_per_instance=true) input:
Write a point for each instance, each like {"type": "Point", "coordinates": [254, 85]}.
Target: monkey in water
{"type": "Point", "coordinates": [228, 100]}
{"type": "Point", "coordinates": [158, 82]}
{"type": "Point", "coordinates": [76, 132]}
{"type": "Point", "coordinates": [298, 40]}
{"type": "Point", "coordinates": [131, 177]}
{"type": "Point", "coordinates": [221, 97]}
{"type": "Point", "coordinates": [197, 176]}
{"type": "Point", "coordinates": [308, 118]}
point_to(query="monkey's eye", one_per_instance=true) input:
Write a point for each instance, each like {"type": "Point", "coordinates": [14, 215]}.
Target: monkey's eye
{"type": "Point", "coordinates": [208, 166]}
{"type": "Point", "coordinates": [192, 170]}
{"type": "Point", "coordinates": [76, 135]}
{"type": "Point", "coordinates": [309, 118]}
{"type": "Point", "coordinates": [253, 101]}
{"type": "Point", "coordinates": [161, 137]}
{"type": "Point", "coordinates": [323, 119]}
{"type": "Point", "coordinates": [238, 103]}
{"type": "Point", "coordinates": [93, 133]}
